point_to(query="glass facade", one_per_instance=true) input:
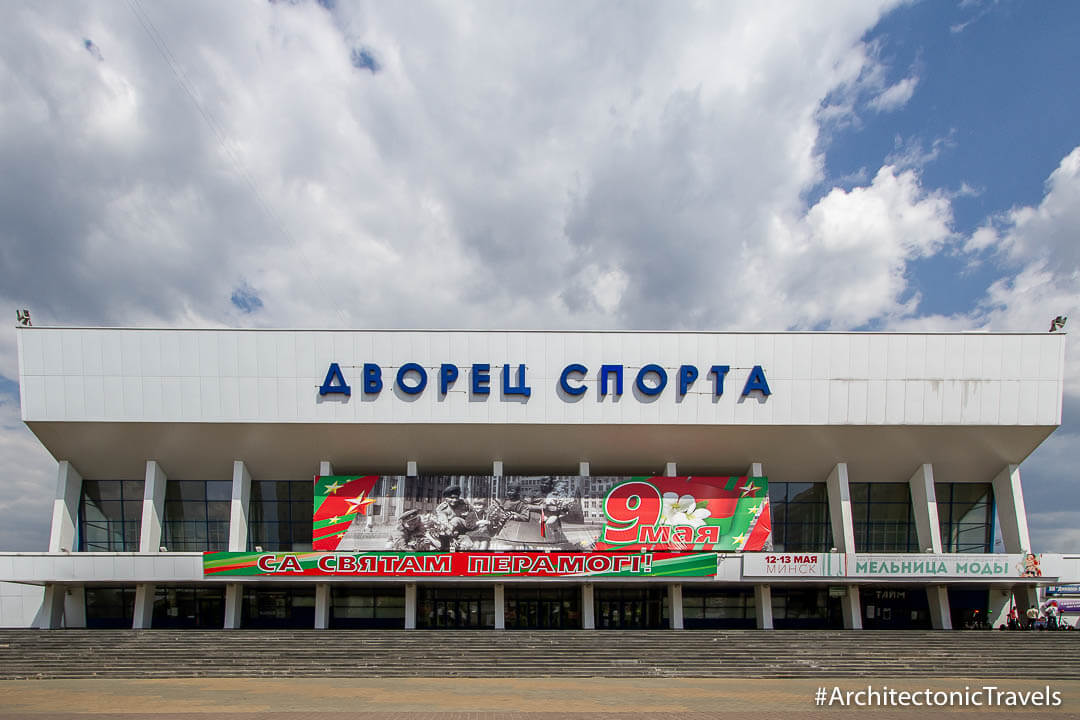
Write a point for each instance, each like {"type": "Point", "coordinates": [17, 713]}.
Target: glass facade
{"type": "Point", "coordinates": [966, 516]}
{"type": "Point", "coordinates": [800, 517]}
{"type": "Point", "coordinates": [110, 512]}
{"type": "Point", "coordinates": [708, 608]}
{"type": "Point", "coordinates": [455, 607]}
{"type": "Point", "coordinates": [196, 516]}
{"type": "Point", "coordinates": [884, 521]}
{"type": "Point", "coordinates": [642, 608]}
{"type": "Point", "coordinates": [543, 607]}
{"type": "Point", "coordinates": [279, 517]}
{"type": "Point", "coordinates": [278, 607]}
{"type": "Point", "coordinates": [189, 606]}
{"type": "Point", "coordinates": [805, 608]}
{"type": "Point", "coordinates": [110, 606]}
{"type": "Point", "coordinates": [895, 608]}
{"type": "Point", "coordinates": [367, 607]}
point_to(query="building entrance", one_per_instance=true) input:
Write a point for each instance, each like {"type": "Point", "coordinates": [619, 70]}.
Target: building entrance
{"type": "Point", "coordinates": [894, 608]}
{"type": "Point", "coordinates": [530, 607]}
{"type": "Point", "coordinates": [638, 608]}
{"type": "Point", "coordinates": [455, 607]}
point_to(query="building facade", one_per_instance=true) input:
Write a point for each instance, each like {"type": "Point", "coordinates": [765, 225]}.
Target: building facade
{"type": "Point", "coordinates": [885, 469]}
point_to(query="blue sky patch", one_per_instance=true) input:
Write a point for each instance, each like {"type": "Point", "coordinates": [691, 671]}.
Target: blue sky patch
{"type": "Point", "coordinates": [363, 59]}
{"type": "Point", "coordinates": [246, 299]}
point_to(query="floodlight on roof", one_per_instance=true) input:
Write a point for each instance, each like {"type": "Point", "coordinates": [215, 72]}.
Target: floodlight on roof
{"type": "Point", "coordinates": [1058, 323]}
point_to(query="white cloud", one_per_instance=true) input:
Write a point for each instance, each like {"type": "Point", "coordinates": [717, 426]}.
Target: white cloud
{"type": "Point", "coordinates": [842, 264]}
{"type": "Point", "coordinates": [28, 478]}
{"type": "Point", "coordinates": [895, 96]}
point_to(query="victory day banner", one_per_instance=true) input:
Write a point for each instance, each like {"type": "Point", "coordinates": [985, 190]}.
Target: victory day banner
{"type": "Point", "coordinates": [459, 564]}
{"type": "Point", "coordinates": [471, 513]}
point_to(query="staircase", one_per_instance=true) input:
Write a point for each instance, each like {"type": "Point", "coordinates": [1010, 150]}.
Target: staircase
{"type": "Point", "coordinates": [59, 654]}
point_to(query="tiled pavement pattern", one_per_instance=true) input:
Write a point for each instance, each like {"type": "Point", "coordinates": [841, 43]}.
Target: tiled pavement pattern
{"type": "Point", "coordinates": [73, 654]}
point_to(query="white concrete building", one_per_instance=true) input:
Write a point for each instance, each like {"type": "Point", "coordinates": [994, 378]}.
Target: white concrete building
{"type": "Point", "coordinates": [888, 458]}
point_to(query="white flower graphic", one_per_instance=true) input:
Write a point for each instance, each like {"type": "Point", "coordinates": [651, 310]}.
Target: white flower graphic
{"type": "Point", "coordinates": [682, 510]}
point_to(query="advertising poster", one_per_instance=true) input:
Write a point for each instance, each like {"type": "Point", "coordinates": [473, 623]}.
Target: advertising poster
{"type": "Point", "coordinates": [444, 513]}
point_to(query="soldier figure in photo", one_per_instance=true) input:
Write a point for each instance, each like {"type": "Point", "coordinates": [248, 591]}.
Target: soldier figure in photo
{"type": "Point", "coordinates": [477, 524]}
{"type": "Point", "coordinates": [534, 523]}
{"type": "Point", "coordinates": [412, 533]}
{"type": "Point", "coordinates": [450, 519]}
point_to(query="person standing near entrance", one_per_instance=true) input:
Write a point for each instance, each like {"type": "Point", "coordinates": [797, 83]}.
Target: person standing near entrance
{"type": "Point", "coordinates": [1032, 617]}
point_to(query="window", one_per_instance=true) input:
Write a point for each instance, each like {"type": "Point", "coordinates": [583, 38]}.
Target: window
{"type": "Point", "coordinates": [455, 607]}
{"type": "Point", "coordinates": [197, 515]}
{"type": "Point", "coordinates": [110, 606]}
{"type": "Point", "coordinates": [110, 512]}
{"type": "Point", "coordinates": [364, 607]}
{"type": "Point", "coordinates": [800, 517]}
{"type": "Point", "coordinates": [708, 608]}
{"type": "Point", "coordinates": [280, 515]}
{"type": "Point", "coordinates": [884, 521]}
{"type": "Point", "coordinates": [805, 608]}
{"type": "Point", "coordinates": [270, 607]}
{"type": "Point", "coordinates": [189, 606]}
{"type": "Point", "coordinates": [966, 516]}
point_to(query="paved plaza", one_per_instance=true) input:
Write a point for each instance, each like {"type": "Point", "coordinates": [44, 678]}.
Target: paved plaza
{"type": "Point", "coordinates": [484, 698]}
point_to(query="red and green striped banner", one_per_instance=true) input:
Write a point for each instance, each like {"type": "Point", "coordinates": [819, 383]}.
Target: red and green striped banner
{"type": "Point", "coordinates": [459, 564]}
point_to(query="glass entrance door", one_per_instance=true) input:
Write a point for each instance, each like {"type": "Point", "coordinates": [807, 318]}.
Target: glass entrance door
{"type": "Point", "coordinates": [550, 607]}
{"type": "Point", "coordinates": [455, 607]}
{"type": "Point", "coordinates": [639, 608]}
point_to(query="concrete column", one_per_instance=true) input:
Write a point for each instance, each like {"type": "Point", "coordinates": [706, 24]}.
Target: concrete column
{"type": "Point", "coordinates": [1012, 517]}
{"type": "Point", "coordinates": [843, 527]}
{"type": "Point", "coordinates": [322, 606]}
{"type": "Point", "coordinates": [588, 608]}
{"type": "Point", "coordinates": [763, 607]}
{"type": "Point", "coordinates": [241, 499]}
{"type": "Point", "coordinates": [674, 593]}
{"type": "Point", "coordinates": [410, 606]}
{"type": "Point", "coordinates": [1001, 599]}
{"type": "Point", "coordinates": [851, 606]}
{"type": "Point", "coordinates": [325, 468]}
{"type": "Point", "coordinates": [234, 607]}
{"type": "Point", "coordinates": [62, 537]}
{"type": "Point", "coordinates": [928, 529]}
{"type": "Point", "coordinates": [144, 606]}
{"type": "Point", "coordinates": [670, 470]}
{"type": "Point", "coordinates": [500, 607]}
{"type": "Point", "coordinates": [924, 507]}
{"type": "Point", "coordinates": [52, 608]}
{"type": "Point", "coordinates": [940, 614]}
{"type": "Point", "coordinates": [1025, 596]}
{"type": "Point", "coordinates": [65, 508]}
{"type": "Point", "coordinates": [152, 510]}
{"type": "Point", "coordinates": [75, 607]}
{"type": "Point", "coordinates": [150, 536]}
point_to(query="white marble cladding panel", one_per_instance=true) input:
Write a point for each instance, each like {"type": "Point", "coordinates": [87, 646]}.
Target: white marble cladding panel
{"type": "Point", "coordinates": [101, 567]}
{"type": "Point", "coordinates": [78, 374]}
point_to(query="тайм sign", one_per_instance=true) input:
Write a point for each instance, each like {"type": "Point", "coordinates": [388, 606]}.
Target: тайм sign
{"type": "Point", "coordinates": [650, 380]}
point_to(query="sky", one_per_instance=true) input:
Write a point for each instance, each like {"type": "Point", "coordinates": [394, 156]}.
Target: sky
{"type": "Point", "coordinates": [841, 165]}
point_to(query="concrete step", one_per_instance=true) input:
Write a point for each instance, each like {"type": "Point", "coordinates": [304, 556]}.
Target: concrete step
{"type": "Point", "coordinates": [398, 653]}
